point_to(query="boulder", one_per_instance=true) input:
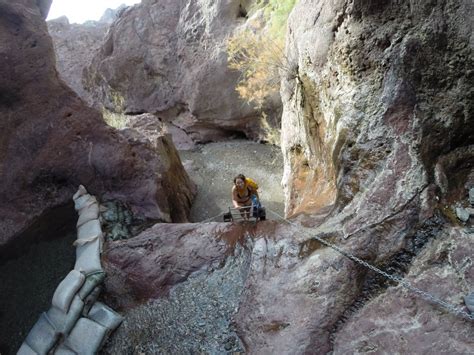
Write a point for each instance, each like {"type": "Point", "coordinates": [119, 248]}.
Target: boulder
{"type": "Point", "coordinates": [51, 142]}
{"type": "Point", "coordinates": [169, 58]}
{"type": "Point", "coordinates": [149, 265]}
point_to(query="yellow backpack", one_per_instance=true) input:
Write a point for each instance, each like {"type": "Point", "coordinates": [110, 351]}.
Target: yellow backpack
{"type": "Point", "coordinates": [252, 184]}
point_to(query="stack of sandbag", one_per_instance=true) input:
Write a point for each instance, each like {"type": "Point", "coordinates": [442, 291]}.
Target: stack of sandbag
{"type": "Point", "coordinates": [76, 323]}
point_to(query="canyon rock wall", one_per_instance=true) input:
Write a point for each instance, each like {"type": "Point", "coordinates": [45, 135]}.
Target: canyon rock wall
{"type": "Point", "coordinates": [50, 141]}
{"type": "Point", "coordinates": [377, 135]}
{"type": "Point", "coordinates": [383, 91]}
{"type": "Point", "coordinates": [74, 46]}
{"type": "Point", "coordinates": [169, 58]}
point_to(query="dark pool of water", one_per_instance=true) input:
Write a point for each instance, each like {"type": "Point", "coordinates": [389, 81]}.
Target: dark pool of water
{"type": "Point", "coordinates": [28, 280]}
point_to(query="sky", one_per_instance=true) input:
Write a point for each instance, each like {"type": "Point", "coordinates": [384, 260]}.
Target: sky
{"type": "Point", "coordinates": [84, 10]}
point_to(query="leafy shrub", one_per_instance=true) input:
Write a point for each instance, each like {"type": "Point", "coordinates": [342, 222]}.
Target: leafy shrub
{"type": "Point", "coordinates": [258, 54]}
{"type": "Point", "coordinates": [113, 119]}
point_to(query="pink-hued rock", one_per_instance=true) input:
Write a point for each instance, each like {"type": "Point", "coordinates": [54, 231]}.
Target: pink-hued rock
{"type": "Point", "coordinates": [74, 46]}
{"type": "Point", "coordinates": [168, 58]}
{"type": "Point", "coordinates": [150, 264]}
{"type": "Point", "coordinates": [399, 321]}
{"type": "Point", "coordinates": [382, 93]}
{"type": "Point", "coordinates": [51, 142]}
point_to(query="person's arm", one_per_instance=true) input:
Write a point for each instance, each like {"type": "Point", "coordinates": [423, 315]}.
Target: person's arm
{"type": "Point", "coordinates": [235, 197]}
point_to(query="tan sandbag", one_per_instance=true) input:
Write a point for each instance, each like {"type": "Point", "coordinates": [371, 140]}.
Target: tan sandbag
{"type": "Point", "coordinates": [86, 337]}
{"type": "Point", "coordinates": [91, 299]}
{"type": "Point", "coordinates": [84, 201]}
{"type": "Point", "coordinates": [88, 257]}
{"type": "Point", "coordinates": [64, 350]}
{"type": "Point", "coordinates": [67, 289]}
{"type": "Point", "coordinates": [64, 322]}
{"type": "Point", "coordinates": [88, 213]}
{"type": "Point", "coordinates": [80, 191]}
{"type": "Point", "coordinates": [105, 316]}
{"type": "Point", "coordinates": [92, 280]}
{"type": "Point", "coordinates": [42, 336]}
{"type": "Point", "coordinates": [89, 230]}
{"type": "Point", "coordinates": [81, 242]}
{"type": "Point", "coordinates": [26, 350]}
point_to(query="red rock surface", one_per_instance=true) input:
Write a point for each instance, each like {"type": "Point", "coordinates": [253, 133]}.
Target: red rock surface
{"type": "Point", "coordinates": [399, 321]}
{"type": "Point", "coordinates": [169, 58]}
{"type": "Point", "coordinates": [149, 265]}
{"type": "Point", "coordinates": [50, 141]}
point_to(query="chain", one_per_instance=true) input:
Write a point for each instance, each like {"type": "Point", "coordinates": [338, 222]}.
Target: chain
{"type": "Point", "coordinates": [425, 295]}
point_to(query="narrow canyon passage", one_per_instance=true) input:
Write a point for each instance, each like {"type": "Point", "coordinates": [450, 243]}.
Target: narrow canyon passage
{"type": "Point", "coordinates": [213, 166]}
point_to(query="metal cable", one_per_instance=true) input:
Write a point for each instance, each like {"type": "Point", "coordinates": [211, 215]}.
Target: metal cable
{"type": "Point", "coordinates": [425, 295]}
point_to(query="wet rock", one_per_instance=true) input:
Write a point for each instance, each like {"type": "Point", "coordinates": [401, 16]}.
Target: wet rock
{"type": "Point", "coordinates": [471, 196]}
{"type": "Point", "coordinates": [462, 214]}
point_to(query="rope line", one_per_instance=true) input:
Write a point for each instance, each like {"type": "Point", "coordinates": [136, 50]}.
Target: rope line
{"type": "Point", "coordinates": [425, 295]}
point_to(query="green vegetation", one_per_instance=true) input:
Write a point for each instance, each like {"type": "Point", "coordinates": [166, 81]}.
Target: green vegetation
{"type": "Point", "coordinates": [258, 51]}
{"type": "Point", "coordinates": [113, 119]}
{"type": "Point", "coordinates": [278, 12]}
{"type": "Point", "coordinates": [258, 54]}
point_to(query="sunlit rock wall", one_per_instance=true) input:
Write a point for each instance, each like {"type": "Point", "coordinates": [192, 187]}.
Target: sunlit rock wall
{"type": "Point", "coordinates": [383, 90]}
{"type": "Point", "coordinates": [169, 58]}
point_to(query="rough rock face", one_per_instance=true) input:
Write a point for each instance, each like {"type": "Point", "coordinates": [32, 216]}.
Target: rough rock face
{"type": "Point", "coordinates": [50, 141]}
{"type": "Point", "coordinates": [149, 265]}
{"type": "Point", "coordinates": [377, 128]}
{"type": "Point", "coordinates": [168, 58]}
{"type": "Point", "coordinates": [74, 46]}
{"type": "Point", "coordinates": [398, 322]}
{"type": "Point", "coordinates": [295, 295]}
{"type": "Point", "coordinates": [287, 302]}
{"type": "Point", "coordinates": [384, 89]}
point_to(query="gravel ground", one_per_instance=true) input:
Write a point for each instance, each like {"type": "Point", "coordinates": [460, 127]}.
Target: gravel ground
{"type": "Point", "coordinates": [195, 319]}
{"type": "Point", "coordinates": [213, 166]}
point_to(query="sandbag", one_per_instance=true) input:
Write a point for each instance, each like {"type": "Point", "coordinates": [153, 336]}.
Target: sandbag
{"type": "Point", "coordinates": [84, 201]}
{"type": "Point", "coordinates": [88, 213]}
{"type": "Point", "coordinates": [81, 190]}
{"type": "Point", "coordinates": [64, 350]}
{"type": "Point", "coordinates": [88, 257]}
{"type": "Point", "coordinates": [92, 280]}
{"type": "Point", "coordinates": [105, 316]}
{"type": "Point", "coordinates": [86, 337]}
{"type": "Point", "coordinates": [89, 230]}
{"type": "Point", "coordinates": [26, 350]}
{"type": "Point", "coordinates": [91, 299]}
{"type": "Point", "coordinates": [64, 322]}
{"type": "Point", "coordinates": [42, 336]}
{"type": "Point", "coordinates": [67, 289]}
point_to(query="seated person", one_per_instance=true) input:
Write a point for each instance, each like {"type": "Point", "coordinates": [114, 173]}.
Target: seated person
{"type": "Point", "coordinates": [243, 192]}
